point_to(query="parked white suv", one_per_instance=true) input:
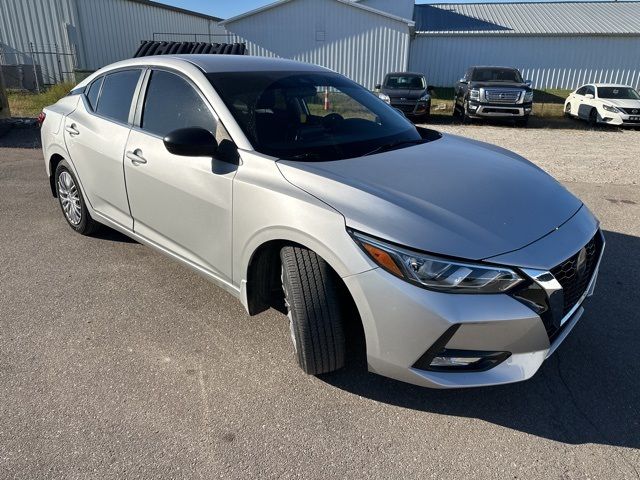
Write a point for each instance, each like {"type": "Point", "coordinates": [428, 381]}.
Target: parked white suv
{"type": "Point", "coordinates": [605, 103]}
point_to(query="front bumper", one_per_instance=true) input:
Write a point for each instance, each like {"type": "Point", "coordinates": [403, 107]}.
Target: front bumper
{"type": "Point", "coordinates": [619, 119]}
{"type": "Point", "coordinates": [499, 110]}
{"type": "Point", "coordinates": [402, 322]}
{"type": "Point", "coordinates": [412, 108]}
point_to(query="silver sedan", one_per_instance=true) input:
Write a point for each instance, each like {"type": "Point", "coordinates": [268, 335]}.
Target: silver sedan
{"type": "Point", "coordinates": [294, 188]}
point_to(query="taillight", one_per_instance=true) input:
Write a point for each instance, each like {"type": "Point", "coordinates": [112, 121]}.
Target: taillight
{"type": "Point", "coordinates": [41, 118]}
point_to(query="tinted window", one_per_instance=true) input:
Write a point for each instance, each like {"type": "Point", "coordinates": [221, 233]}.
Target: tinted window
{"type": "Point", "coordinates": [622, 93]}
{"type": "Point", "coordinates": [496, 75]}
{"type": "Point", "coordinates": [310, 115]}
{"type": "Point", "coordinates": [117, 92]}
{"type": "Point", "coordinates": [93, 91]}
{"type": "Point", "coordinates": [405, 82]}
{"type": "Point", "coordinates": [590, 90]}
{"type": "Point", "coordinates": [171, 103]}
{"type": "Point", "coordinates": [581, 91]}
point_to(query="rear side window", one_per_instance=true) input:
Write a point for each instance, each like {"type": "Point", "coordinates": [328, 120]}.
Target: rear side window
{"type": "Point", "coordinates": [117, 93]}
{"type": "Point", "coordinates": [172, 103]}
{"type": "Point", "coordinates": [93, 91]}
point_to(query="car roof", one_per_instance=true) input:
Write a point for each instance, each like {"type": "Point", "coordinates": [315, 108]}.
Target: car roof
{"type": "Point", "coordinates": [494, 66]}
{"type": "Point", "coordinates": [417, 74]}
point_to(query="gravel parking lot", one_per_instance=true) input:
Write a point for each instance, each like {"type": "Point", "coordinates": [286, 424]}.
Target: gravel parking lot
{"type": "Point", "coordinates": [116, 362]}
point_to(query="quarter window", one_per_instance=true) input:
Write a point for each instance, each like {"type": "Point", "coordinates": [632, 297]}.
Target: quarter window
{"type": "Point", "coordinates": [117, 93]}
{"type": "Point", "coordinates": [172, 103]}
{"type": "Point", "coordinates": [93, 92]}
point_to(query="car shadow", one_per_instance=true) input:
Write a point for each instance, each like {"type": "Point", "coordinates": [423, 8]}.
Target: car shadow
{"type": "Point", "coordinates": [556, 123]}
{"type": "Point", "coordinates": [111, 235]}
{"type": "Point", "coordinates": [22, 137]}
{"type": "Point", "coordinates": [587, 392]}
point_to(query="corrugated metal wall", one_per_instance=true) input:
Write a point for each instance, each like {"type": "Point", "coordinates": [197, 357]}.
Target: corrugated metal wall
{"type": "Point", "coordinates": [550, 62]}
{"type": "Point", "coordinates": [359, 44]}
{"type": "Point", "coordinates": [113, 29]}
{"type": "Point", "coordinates": [98, 32]}
{"type": "Point", "coordinates": [41, 25]}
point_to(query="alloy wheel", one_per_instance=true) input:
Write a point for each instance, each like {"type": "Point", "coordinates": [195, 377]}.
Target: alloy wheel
{"type": "Point", "coordinates": [69, 198]}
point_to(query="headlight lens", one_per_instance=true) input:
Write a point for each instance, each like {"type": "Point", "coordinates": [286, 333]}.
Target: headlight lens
{"type": "Point", "coordinates": [528, 97]}
{"type": "Point", "coordinates": [610, 108]}
{"type": "Point", "coordinates": [437, 273]}
{"type": "Point", "coordinates": [474, 94]}
{"type": "Point", "coordinates": [384, 97]}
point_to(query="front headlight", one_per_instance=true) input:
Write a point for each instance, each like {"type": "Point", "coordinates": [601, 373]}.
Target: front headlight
{"type": "Point", "coordinates": [610, 108]}
{"type": "Point", "coordinates": [384, 97]}
{"type": "Point", "coordinates": [528, 97]}
{"type": "Point", "coordinates": [425, 98]}
{"type": "Point", "coordinates": [474, 94]}
{"type": "Point", "coordinates": [436, 273]}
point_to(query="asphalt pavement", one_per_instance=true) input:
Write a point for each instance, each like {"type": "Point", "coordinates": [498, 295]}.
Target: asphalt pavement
{"type": "Point", "coordinates": [116, 362]}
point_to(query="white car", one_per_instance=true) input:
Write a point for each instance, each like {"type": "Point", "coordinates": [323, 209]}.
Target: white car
{"type": "Point", "coordinates": [605, 103]}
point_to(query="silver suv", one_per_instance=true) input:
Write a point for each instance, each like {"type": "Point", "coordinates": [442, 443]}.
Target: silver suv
{"type": "Point", "coordinates": [292, 187]}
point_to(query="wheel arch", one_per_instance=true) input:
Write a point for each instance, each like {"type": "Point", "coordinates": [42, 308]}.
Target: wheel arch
{"type": "Point", "coordinates": [54, 160]}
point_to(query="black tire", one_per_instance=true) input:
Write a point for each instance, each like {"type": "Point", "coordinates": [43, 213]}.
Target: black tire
{"type": "Point", "coordinates": [312, 301]}
{"type": "Point", "coordinates": [567, 110]}
{"type": "Point", "coordinates": [465, 119]}
{"type": "Point", "coordinates": [593, 118]}
{"type": "Point", "coordinates": [85, 225]}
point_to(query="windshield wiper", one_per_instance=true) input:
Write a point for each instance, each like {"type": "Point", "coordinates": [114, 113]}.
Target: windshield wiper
{"type": "Point", "coordinates": [393, 145]}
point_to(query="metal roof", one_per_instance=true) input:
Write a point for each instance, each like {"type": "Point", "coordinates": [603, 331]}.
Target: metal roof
{"type": "Point", "coordinates": [176, 9]}
{"type": "Point", "coordinates": [529, 18]}
{"type": "Point", "coordinates": [346, 2]}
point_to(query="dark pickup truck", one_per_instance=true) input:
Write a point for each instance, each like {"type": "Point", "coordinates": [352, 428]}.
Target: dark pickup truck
{"type": "Point", "coordinates": [493, 92]}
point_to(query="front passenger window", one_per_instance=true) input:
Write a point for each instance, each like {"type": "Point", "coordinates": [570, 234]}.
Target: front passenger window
{"type": "Point", "coordinates": [172, 103]}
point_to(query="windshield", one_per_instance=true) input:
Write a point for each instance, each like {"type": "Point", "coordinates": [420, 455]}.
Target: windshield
{"type": "Point", "coordinates": [622, 93]}
{"type": "Point", "coordinates": [310, 115]}
{"type": "Point", "coordinates": [496, 75]}
{"type": "Point", "coordinates": [405, 81]}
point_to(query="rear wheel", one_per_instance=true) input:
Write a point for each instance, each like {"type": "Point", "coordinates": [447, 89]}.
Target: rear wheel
{"type": "Point", "coordinates": [72, 202]}
{"type": "Point", "coordinates": [315, 317]}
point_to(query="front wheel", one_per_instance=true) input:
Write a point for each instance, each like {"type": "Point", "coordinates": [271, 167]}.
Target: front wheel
{"type": "Point", "coordinates": [72, 202]}
{"type": "Point", "coordinates": [593, 118]}
{"type": "Point", "coordinates": [315, 318]}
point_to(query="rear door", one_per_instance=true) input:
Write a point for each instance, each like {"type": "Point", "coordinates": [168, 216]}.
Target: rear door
{"type": "Point", "coordinates": [179, 203]}
{"type": "Point", "coordinates": [96, 134]}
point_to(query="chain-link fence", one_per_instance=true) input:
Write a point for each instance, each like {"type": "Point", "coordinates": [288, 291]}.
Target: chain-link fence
{"type": "Point", "coordinates": [37, 68]}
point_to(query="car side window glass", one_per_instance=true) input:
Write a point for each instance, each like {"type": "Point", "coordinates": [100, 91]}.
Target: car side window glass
{"type": "Point", "coordinates": [590, 90]}
{"type": "Point", "coordinates": [93, 92]}
{"type": "Point", "coordinates": [172, 103]}
{"type": "Point", "coordinates": [117, 92]}
{"type": "Point", "coordinates": [581, 91]}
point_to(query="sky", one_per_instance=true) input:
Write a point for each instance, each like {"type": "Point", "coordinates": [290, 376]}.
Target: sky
{"type": "Point", "coordinates": [230, 8]}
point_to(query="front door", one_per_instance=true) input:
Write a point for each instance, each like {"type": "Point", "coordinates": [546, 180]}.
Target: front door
{"type": "Point", "coordinates": [178, 202]}
{"type": "Point", "coordinates": [96, 134]}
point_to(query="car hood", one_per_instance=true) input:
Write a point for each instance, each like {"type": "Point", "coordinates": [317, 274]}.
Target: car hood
{"type": "Point", "coordinates": [408, 93]}
{"type": "Point", "coordinates": [451, 196]}
{"type": "Point", "coordinates": [499, 85]}
{"type": "Point", "coordinates": [624, 103]}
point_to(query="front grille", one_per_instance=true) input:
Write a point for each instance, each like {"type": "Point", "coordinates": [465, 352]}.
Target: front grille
{"type": "Point", "coordinates": [574, 282]}
{"type": "Point", "coordinates": [631, 111]}
{"type": "Point", "coordinates": [502, 96]}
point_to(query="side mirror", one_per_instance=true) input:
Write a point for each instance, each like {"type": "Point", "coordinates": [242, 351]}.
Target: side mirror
{"type": "Point", "coordinates": [191, 142]}
{"type": "Point", "coordinates": [528, 83]}
{"type": "Point", "coordinates": [378, 87]}
{"type": "Point", "coordinates": [589, 96]}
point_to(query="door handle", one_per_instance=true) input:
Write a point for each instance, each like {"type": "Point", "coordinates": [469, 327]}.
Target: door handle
{"type": "Point", "coordinates": [136, 157]}
{"type": "Point", "coordinates": [71, 130]}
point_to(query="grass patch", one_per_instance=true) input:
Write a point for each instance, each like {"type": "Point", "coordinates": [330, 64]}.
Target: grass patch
{"type": "Point", "coordinates": [27, 104]}
{"type": "Point", "coordinates": [547, 103]}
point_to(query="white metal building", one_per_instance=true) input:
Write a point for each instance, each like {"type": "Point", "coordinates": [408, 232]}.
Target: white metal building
{"type": "Point", "coordinates": [556, 45]}
{"type": "Point", "coordinates": [61, 36]}
{"type": "Point", "coordinates": [352, 38]}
